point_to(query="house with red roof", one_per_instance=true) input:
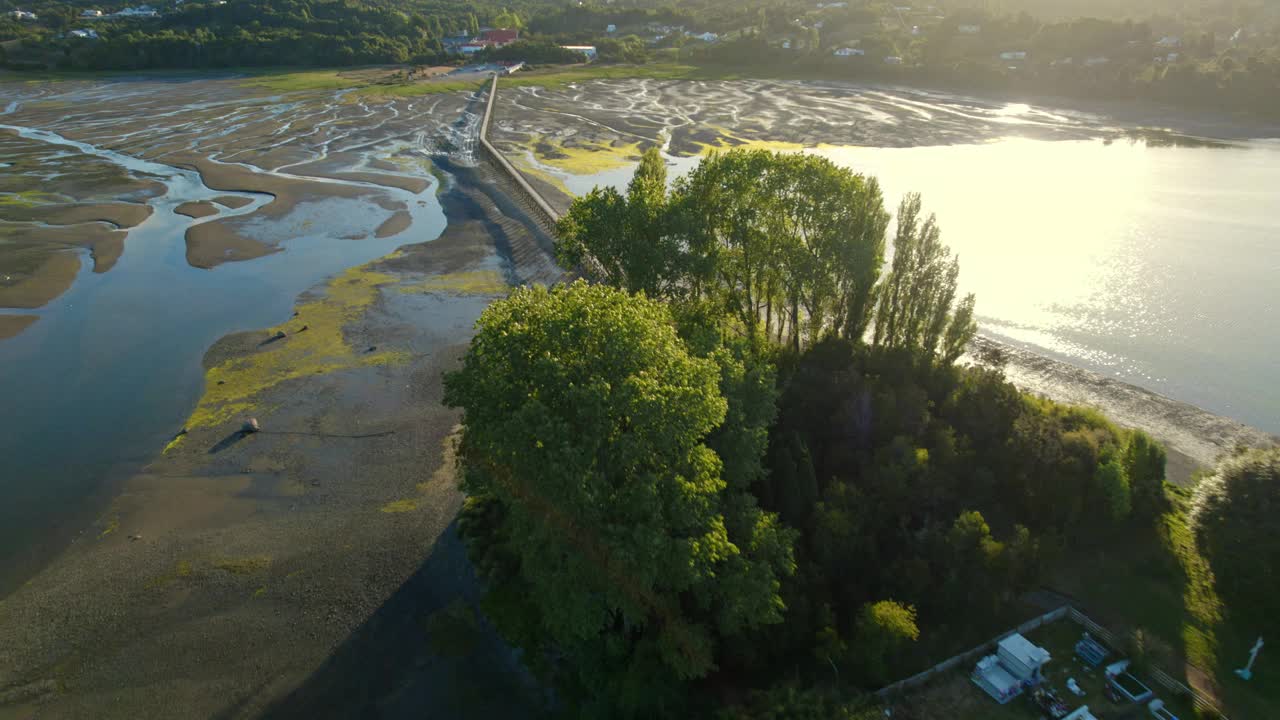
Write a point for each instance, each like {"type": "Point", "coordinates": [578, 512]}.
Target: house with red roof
{"type": "Point", "coordinates": [500, 37]}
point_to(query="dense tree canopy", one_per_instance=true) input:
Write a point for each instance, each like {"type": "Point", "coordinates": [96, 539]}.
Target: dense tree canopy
{"type": "Point", "coordinates": [640, 424]}
{"type": "Point", "coordinates": [613, 537]}
{"type": "Point", "coordinates": [1236, 518]}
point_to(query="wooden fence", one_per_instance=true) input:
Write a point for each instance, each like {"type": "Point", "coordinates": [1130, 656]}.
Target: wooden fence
{"type": "Point", "coordinates": [1160, 677]}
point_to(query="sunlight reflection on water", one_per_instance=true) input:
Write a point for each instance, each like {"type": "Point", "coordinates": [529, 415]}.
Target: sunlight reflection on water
{"type": "Point", "coordinates": [1153, 265]}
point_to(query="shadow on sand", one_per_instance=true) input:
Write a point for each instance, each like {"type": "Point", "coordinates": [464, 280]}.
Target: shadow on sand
{"type": "Point", "coordinates": [228, 441]}
{"type": "Point", "coordinates": [387, 668]}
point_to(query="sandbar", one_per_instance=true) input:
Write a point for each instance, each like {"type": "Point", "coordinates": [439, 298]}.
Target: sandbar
{"type": "Point", "coordinates": [49, 280]}
{"type": "Point", "coordinates": [11, 325]}
{"type": "Point", "coordinates": [394, 225]}
{"type": "Point", "coordinates": [197, 209]}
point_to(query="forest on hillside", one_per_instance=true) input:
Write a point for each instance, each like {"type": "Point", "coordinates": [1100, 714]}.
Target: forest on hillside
{"type": "Point", "coordinates": [1212, 55]}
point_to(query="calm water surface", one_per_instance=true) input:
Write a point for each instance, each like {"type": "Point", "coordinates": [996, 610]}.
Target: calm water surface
{"type": "Point", "coordinates": [1159, 266]}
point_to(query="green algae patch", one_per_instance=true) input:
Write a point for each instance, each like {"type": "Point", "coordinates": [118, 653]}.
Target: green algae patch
{"type": "Point", "coordinates": [474, 282]}
{"type": "Point", "coordinates": [587, 158]}
{"type": "Point", "coordinates": [28, 199]}
{"type": "Point", "coordinates": [244, 565]}
{"type": "Point", "coordinates": [299, 81]}
{"type": "Point", "coordinates": [726, 140]}
{"type": "Point", "coordinates": [526, 166]}
{"type": "Point", "coordinates": [400, 506]}
{"type": "Point", "coordinates": [232, 387]}
{"type": "Point", "coordinates": [112, 525]}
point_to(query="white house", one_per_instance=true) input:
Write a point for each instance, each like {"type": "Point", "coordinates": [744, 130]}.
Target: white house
{"type": "Point", "coordinates": [1171, 57]}
{"type": "Point", "coordinates": [705, 37]}
{"type": "Point", "coordinates": [24, 15]}
{"type": "Point", "coordinates": [1081, 713]}
{"type": "Point", "coordinates": [611, 29]}
{"type": "Point", "coordinates": [1017, 665]}
{"type": "Point", "coordinates": [893, 60]}
{"type": "Point", "coordinates": [86, 34]}
{"type": "Point", "coordinates": [587, 51]}
{"type": "Point", "coordinates": [91, 14]}
{"type": "Point", "coordinates": [142, 11]}
{"type": "Point", "coordinates": [1169, 41]}
{"type": "Point", "coordinates": [1013, 55]}
{"type": "Point", "coordinates": [850, 52]}
{"type": "Point", "coordinates": [969, 29]}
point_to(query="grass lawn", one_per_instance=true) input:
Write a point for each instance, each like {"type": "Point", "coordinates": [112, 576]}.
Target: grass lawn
{"type": "Point", "coordinates": [1158, 583]}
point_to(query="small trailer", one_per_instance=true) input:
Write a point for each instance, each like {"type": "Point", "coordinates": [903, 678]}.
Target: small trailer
{"type": "Point", "coordinates": [1090, 651]}
{"type": "Point", "coordinates": [1125, 684]}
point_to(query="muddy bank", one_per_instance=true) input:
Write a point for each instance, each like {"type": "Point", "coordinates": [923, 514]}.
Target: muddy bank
{"type": "Point", "coordinates": [1194, 438]}
{"type": "Point", "coordinates": [199, 209]}
{"type": "Point", "coordinates": [51, 277]}
{"type": "Point", "coordinates": [11, 325]}
{"type": "Point", "coordinates": [291, 573]}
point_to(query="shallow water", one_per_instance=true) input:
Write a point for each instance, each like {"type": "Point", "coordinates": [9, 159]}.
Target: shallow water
{"type": "Point", "coordinates": [112, 367]}
{"type": "Point", "coordinates": [1152, 265]}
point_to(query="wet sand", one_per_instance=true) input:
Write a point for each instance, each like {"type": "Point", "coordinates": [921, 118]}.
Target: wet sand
{"type": "Point", "coordinates": [51, 278]}
{"type": "Point", "coordinates": [122, 215]}
{"type": "Point", "coordinates": [235, 202]}
{"type": "Point", "coordinates": [199, 209]}
{"type": "Point", "coordinates": [290, 573]}
{"type": "Point", "coordinates": [11, 325]}
{"type": "Point", "coordinates": [395, 224]}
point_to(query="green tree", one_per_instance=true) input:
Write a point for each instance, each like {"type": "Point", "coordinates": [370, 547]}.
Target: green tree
{"type": "Point", "coordinates": [1114, 485]}
{"type": "Point", "coordinates": [1235, 515]}
{"type": "Point", "coordinates": [792, 242]}
{"type": "Point", "coordinates": [1144, 464]}
{"type": "Point", "coordinates": [881, 631]}
{"type": "Point", "coordinates": [624, 239]}
{"type": "Point", "coordinates": [917, 298]}
{"type": "Point", "coordinates": [607, 531]}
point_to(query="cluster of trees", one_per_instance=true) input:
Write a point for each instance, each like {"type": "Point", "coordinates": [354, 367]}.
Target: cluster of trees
{"type": "Point", "coordinates": [747, 454]}
{"type": "Point", "coordinates": [1235, 515]}
{"type": "Point", "coordinates": [260, 32]}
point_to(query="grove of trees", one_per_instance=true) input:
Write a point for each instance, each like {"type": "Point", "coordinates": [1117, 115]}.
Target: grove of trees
{"type": "Point", "coordinates": [1235, 515]}
{"type": "Point", "coordinates": [742, 475]}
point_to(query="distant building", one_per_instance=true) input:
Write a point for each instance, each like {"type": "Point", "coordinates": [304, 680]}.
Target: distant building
{"type": "Point", "coordinates": [824, 6]}
{"type": "Point", "coordinates": [474, 47]}
{"type": "Point", "coordinates": [893, 60]}
{"type": "Point", "coordinates": [587, 51]}
{"type": "Point", "coordinates": [786, 44]}
{"type": "Point", "coordinates": [611, 29]}
{"type": "Point", "coordinates": [500, 38]}
{"type": "Point", "coordinates": [84, 34]}
{"type": "Point", "coordinates": [969, 29]}
{"type": "Point", "coordinates": [1013, 55]}
{"type": "Point", "coordinates": [142, 11]}
{"type": "Point", "coordinates": [1171, 57]}
{"type": "Point", "coordinates": [1097, 60]}
{"type": "Point", "coordinates": [849, 52]}
{"type": "Point", "coordinates": [91, 14]}
{"type": "Point", "coordinates": [705, 37]}
{"type": "Point", "coordinates": [24, 16]}
{"type": "Point", "coordinates": [1169, 41]}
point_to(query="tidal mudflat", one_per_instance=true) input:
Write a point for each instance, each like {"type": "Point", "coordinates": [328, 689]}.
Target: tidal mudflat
{"type": "Point", "coordinates": [293, 572]}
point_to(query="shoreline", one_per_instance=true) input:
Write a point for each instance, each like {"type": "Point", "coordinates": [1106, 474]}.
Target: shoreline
{"type": "Point", "coordinates": [1194, 438]}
